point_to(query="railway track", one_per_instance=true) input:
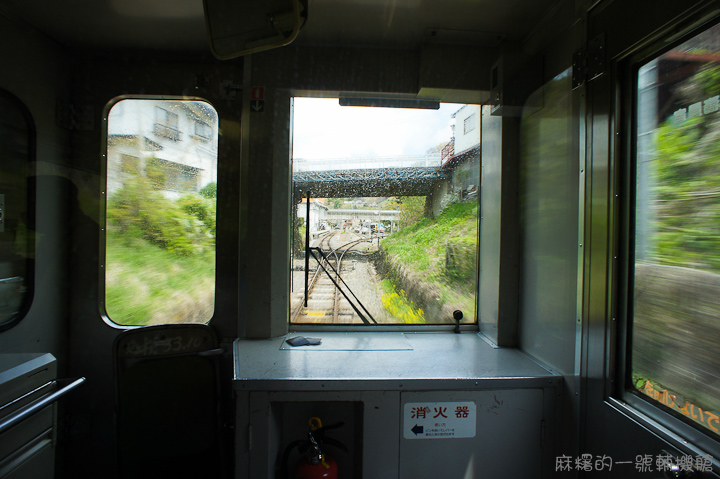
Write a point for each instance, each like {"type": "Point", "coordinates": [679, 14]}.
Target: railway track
{"type": "Point", "coordinates": [326, 302]}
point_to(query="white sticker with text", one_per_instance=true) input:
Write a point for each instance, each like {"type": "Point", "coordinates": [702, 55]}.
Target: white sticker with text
{"type": "Point", "coordinates": [439, 420]}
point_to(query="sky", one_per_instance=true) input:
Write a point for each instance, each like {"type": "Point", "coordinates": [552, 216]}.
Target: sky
{"type": "Point", "coordinates": [323, 129]}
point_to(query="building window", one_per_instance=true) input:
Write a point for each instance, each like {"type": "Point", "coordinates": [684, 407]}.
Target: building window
{"type": "Point", "coordinates": [470, 123]}
{"type": "Point", "coordinates": [160, 216]}
{"type": "Point", "coordinates": [675, 348]}
{"type": "Point", "coordinates": [166, 124]}
{"type": "Point", "coordinates": [203, 130]}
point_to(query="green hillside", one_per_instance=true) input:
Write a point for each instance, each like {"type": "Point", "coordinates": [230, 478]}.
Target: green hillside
{"type": "Point", "coordinates": [434, 261]}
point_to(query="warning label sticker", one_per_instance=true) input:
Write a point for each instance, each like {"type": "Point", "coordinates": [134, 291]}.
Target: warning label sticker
{"type": "Point", "coordinates": [439, 420]}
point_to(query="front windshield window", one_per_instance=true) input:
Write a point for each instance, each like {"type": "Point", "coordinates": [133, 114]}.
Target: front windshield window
{"type": "Point", "coordinates": [385, 213]}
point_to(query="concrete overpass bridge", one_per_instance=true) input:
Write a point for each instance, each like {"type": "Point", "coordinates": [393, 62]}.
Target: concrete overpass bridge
{"type": "Point", "coordinates": [355, 177]}
{"type": "Point", "coordinates": [430, 176]}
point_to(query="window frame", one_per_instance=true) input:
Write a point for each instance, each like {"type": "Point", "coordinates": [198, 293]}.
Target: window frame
{"type": "Point", "coordinates": [474, 326]}
{"type": "Point", "coordinates": [31, 198]}
{"type": "Point", "coordinates": [620, 393]}
{"type": "Point", "coordinates": [102, 237]}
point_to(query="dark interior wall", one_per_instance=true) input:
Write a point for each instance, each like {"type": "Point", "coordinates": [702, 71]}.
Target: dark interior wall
{"type": "Point", "coordinates": [98, 80]}
{"type": "Point", "coordinates": [34, 72]}
{"type": "Point", "coordinates": [336, 69]}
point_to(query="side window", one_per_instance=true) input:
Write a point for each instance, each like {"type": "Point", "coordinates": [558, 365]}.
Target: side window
{"type": "Point", "coordinates": [17, 143]}
{"type": "Point", "coordinates": [675, 302]}
{"type": "Point", "coordinates": [160, 212]}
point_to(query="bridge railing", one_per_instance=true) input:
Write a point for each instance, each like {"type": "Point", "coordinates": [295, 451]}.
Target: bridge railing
{"type": "Point", "coordinates": [412, 161]}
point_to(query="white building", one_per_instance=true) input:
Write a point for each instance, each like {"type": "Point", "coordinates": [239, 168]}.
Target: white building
{"type": "Point", "coordinates": [172, 142]}
{"type": "Point", "coordinates": [318, 215]}
{"type": "Point", "coordinates": [467, 128]}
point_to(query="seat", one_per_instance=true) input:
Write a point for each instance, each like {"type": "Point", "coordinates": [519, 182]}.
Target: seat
{"type": "Point", "coordinates": [168, 402]}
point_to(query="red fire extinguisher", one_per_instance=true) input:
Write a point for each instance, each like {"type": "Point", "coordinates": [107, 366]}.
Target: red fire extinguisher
{"type": "Point", "coordinates": [313, 462]}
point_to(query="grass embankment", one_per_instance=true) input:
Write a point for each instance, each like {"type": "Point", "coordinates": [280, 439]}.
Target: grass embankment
{"type": "Point", "coordinates": [149, 285]}
{"type": "Point", "coordinates": [435, 261]}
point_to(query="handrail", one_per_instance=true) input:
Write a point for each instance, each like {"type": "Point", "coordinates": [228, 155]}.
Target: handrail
{"type": "Point", "coordinates": [40, 404]}
{"type": "Point", "coordinates": [12, 279]}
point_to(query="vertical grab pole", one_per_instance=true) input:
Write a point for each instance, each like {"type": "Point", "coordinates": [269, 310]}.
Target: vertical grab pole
{"type": "Point", "coordinates": [307, 245]}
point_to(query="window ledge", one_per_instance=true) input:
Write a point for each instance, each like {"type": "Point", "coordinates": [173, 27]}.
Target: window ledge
{"type": "Point", "coordinates": [680, 435]}
{"type": "Point", "coordinates": [384, 361]}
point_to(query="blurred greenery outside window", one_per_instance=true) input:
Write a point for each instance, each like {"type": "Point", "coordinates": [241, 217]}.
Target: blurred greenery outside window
{"type": "Point", "coordinates": [161, 212]}
{"type": "Point", "coordinates": [676, 296]}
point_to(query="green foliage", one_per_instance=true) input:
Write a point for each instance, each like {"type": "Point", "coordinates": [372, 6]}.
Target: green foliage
{"type": "Point", "coordinates": [422, 247]}
{"type": "Point", "coordinates": [184, 228]}
{"type": "Point", "coordinates": [685, 181]}
{"type": "Point", "coordinates": [391, 203]}
{"type": "Point", "coordinates": [461, 258]}
{"type": "Point", "coordinates": [299, 236]}
{"type": "Point", "coordinates": [156, 174]}
{"type": "Point", "coordinates": [687, 210]}
{"type": "Point", "coordinates": [160, 255]}
{"type": "Point", "coordinates": [708, 79]}
{"type": "Point", "coordinates": [420, 241]}
{"type": "Point", "coordinates": [412, 210]}
{"type": "Point", "coordinates": [209, 191]}
{"type": "Point", "coordinates": [202, 208]}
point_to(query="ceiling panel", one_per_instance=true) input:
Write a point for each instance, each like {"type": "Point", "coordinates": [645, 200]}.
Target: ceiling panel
{"type": "Point", "coordinates": [179, 24]}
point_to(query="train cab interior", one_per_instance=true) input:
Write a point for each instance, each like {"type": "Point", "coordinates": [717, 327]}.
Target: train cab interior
{"type": "Point", "coordinates": [359, 239]}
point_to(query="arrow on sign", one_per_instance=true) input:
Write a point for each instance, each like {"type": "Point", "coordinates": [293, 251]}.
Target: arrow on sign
{"type": "Point", "coordinates": [417, 429]}
{"type": "Point", "coordinates": [257, 105]}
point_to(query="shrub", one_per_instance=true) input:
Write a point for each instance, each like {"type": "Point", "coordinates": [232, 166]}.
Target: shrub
{"type": "Point", "coordinates": [202, 208]}
{"type": "Point", "coordinates": [209, 191]}
{"type": "Point", "coordinates": [137, 210]}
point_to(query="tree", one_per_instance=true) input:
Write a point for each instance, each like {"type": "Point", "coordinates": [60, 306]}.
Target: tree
{"type": "Point", "coordinates": [391, 203]}
{"type": "Point", "coordinates": [437, 149]}
{"type": "Point", "coordinates": [412, 210]}
{"type": "Point", "coordinates": [687, 181]}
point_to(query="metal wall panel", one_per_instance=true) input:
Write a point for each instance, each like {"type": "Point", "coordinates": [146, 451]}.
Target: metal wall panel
{"type": "Point", "coordinates": [490, 216]}
{"type": "Point", "coordinates": [499, 228]}
{"type": "Point", "coordinates": [508, 440]}
{"type": "Point", "coordinates": [549, 216]}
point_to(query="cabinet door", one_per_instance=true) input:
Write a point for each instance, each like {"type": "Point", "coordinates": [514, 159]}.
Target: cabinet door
{"type": "Point", "coordinates": [505, 440]}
